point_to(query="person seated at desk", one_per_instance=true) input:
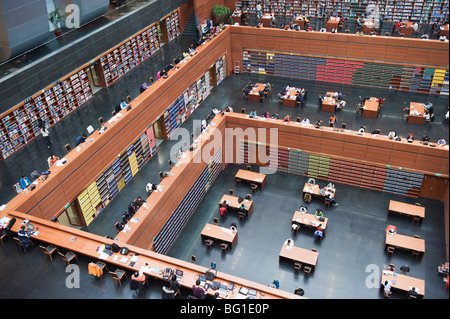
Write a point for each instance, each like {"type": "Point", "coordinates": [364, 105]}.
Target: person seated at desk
{"type": "Point", "coordinates": [332, 120]}
{"type": "Point", "coordinates": [287, 119]}
{"type": "Point", "coordinates": [340, 105]}
{"type": "Point", "coordinates": [441, 142]}
{"type": "Point", "coordinates": [137, 282]}
{"type": "Point", "coordinates": [318, 213]}
{"type": "Point", "coordinates": [123, 105]}
{"type": "Point", "coordinates": [425, 139]}
{"type": "Point", "coordinates": [289, 243]}
{"type": "Point", "coordinates": [132, 208]}
{"type": "Point", "coordinates": [321, 97]}
{"type": "Point", "coordinates": [318, 124]}
{"type": "Point", "coordinates": [275, 116]}
{"type": "Point", "coordinates": [253, 113]}
{"type": "Point", "coordinates": [24, 237]}
{"type": "Point", "coordinates": [332, 200]}
{"type": "Point", "coordinates": [229, 109]}
{"type": "Point", "coordinates": [303, 209]}
{"type": "Point", "coordinates": [392, 135]}
{"type": "Point", "coordinates": [319, 231]}
{"type": "Point", "coordinates": [151, 187]}
{"type": "Point", "coordinates": [144, 87]}
{"type": "Point", "coordinates": [265, 115]}
{"type": "Point", "coordinates": [429, 108]}
{"type": "Point", "coordinates": [410, 138]}
{"type": "Point", "coordinates": [174, 284]}
{"type": "Point", "coordinates": [390, 229]}
{"type": "Point", "coordinates": [223, 209]}
{"type": "Point", "coordinates": [387, 288]}
{"type": "Point", "coordinates": [24, 182]}
{"type": "Point", "coordinates": [299, 99]}
{"type": "Point", "coordinates": [198, 291]}
{"type": "Point", "coordinates": [80, 139]}
{"type": "Point", "coordinates": [412, 293]}
{"type": "Point", "coordinates": [376, 132]}
{"type": "Point", "coordinates": [233, 227]}
{"type": "Point", "coordinates": [52, 160]}
{"type": "Point", "coordinates": [340, 96]}
{"type": "Point", "coordinates": [139, 202]}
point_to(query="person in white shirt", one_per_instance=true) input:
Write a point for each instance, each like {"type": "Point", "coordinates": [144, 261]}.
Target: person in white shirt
{"type": "Point", "coordinates": [150, 187]}
{"type": "Point", "coordinates": [289, 243]}
{"type": "Point", "coordinates": [259, 10]}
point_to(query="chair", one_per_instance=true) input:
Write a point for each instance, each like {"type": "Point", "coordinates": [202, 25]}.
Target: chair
{"type": "Point", "coordinates": [418, 204]}
{"type": "Point", "coordinates": [254, 187]}
{"type": "Point", "coordinates": [297, 266]}
{"type": "Point", "coordinates": [405, 113]}
{"type": "Point", "coordinates": [20, 245]}
{"type": "Point", "coordinates": [49, 250]}
{"type": "Point", "coordinates": [118, 275]}
{"type": "Point", "coordinates": [128, 98]}
{"type": "Point", "coordinates": [412, 297]}
{"type": "Point", "coordinates": [68, 257]}
{"type": "Point", "coordinates": [249, 167]}
{"type": "Point", "coordinates": [170, 163]}
{"type": "Point", "coordinates": [101, 121]}
{"type": "Point", "coordinates": [327, 202]}
{"type": "Point", "coordinates": [224, 247]}
{"type": "Point", "coordinates": [113, 113]}
{"type": "Point", "coordinates": [161, 175]}
{"type": "Point", "coordinates": [17, 188]}
{"type": "Point", "coordinates": [2, 237]}
{"type": "Point", "coordinates": [242, 110]}
{"type": "Point", "coordinates": [116, 226]}
{"type": "Point", "coordinates": [405, 269]}
{"type": "Point", "coordinates": [241, 216]}
{"type": "Point", "coordinates": [216, 221]}
{"type": "Point", "coordinates": [193, 259]}
{"type": "Point", "coordinates": [416, 219]}
{"type": "Point", "coordinates": [237, 180]}
{"type": "Point", "coordinates": [102, 266]}
{"type": "Point", "coordinates": [390, 250]}
{"type": "Point", "coordinates": [307, 269]}
{"type": "Point", "coordinates": [416, 236]}
{"type": "Point", "coordinates": [299, 119]}
{"type": "Point", "coordinates": [314, 250]}
{"type": "Point", "coordinates": [344, 125]}
{"type": "Point", "coordinates": [209, 243]}
{"type": "Point", "coordinates": [68, 148]}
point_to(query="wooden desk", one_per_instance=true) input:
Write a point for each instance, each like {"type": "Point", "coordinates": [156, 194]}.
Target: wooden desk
{"type": "Point", "coordinates": [444, 31]}
{"type": "Point", "coordinates": [407, 30]}
{"type": "Point", "coordinates": [406, 209]}
{"type": "Point", "coordinates": [314, 190]}
{"type": "Point", "coordinates": [251, 177]}
{"type": "Point", "coordinates": [329, 103]}
{"type": "Point", "coordinates": [405, 242]}
{"type": "Point", "coordinates": [253, 95]}
{"type": "Point", "coordinates": [266, 20]}
{"type": "Point", "coordinates": [90, 245]}
{"type": "Point", "coordinates": [300, 21]}
{"type": "Point", "coordinates": [308, 220]}
{"type": "Point", "coordinates": [290, 98]}
{"type": "Point", "coordinates": [333, 23]}
{"type": "Point", "coordinates": [403, 282]}
{"type": "Point", "coordinates": [368, 27]}
{"type": "Point", "coordinates": [370, 108]}
{"type": "Point", "coordinates": [219, 233]}
{"type": "Point", "coordinates": [237, 18]}
{"type": "Point", "coordinates": [416, 113]}
{"type": "Point", "coordinates": [233, 203]}
{"type": "Point", "coordinates": [297, 254]}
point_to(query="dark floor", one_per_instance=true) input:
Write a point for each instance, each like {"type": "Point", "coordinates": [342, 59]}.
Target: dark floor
{"type": "Point", "coordinates": [355, 235]}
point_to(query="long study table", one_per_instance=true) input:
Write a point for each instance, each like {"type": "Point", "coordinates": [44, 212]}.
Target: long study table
{"type": "Point", "coordinates": [219, 233]}
{"type": "Point", "coordinates": [234, 204]}
{"type": "Point", "coordinates": [406, 209]}
{"type": "Point", "coordinates": [403, 282]}
{"type": "Point", "coordinates": [405, 242]}
{"type": "Point", "coordinates": [251, 177]}
{"type": "Point", "coordinates": [298, 254]}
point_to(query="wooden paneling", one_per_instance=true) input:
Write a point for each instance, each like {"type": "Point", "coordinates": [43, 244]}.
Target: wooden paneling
{"type": "Point", "coordinates": [433, 187]}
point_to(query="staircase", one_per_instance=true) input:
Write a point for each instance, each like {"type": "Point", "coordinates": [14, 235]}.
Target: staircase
{"type": "Point", "coordinates": [191, 30]}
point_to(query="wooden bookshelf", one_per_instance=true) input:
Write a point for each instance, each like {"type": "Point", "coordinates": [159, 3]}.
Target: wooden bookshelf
{"type": "Point", "coordinates": [381, 75]}
{"type": "Point", "coordinates": [422, 11]}
{"type": "Point", "coordinates": [20, 124]}
{"type": "Point", "coordinates": [113, 179]}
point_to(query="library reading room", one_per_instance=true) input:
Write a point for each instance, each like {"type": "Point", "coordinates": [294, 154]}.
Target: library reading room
{"type": "Point", "coordinates": [226, 149]}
